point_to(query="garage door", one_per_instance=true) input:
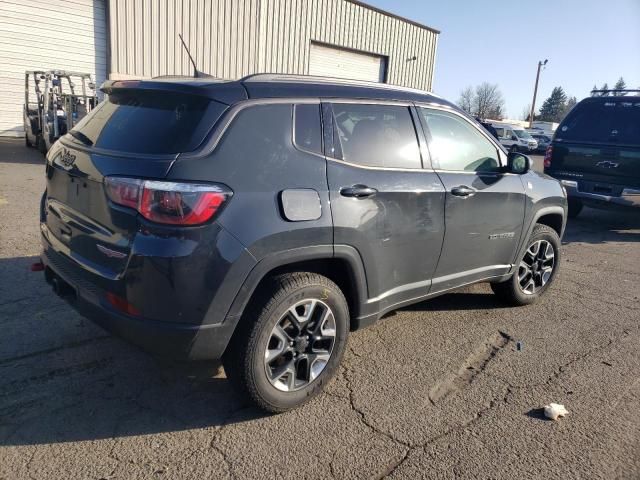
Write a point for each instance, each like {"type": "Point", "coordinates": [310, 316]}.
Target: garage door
{"type": "Point", "coordinates": [330, 61]}
{"type": "Point", "coordinates": [46, 34]}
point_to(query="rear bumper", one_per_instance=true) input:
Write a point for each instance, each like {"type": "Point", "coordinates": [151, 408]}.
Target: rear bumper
{"type": "Point", "coordinates": [629, 197]}
{"type": "Point", "coordinates": [195, 340]}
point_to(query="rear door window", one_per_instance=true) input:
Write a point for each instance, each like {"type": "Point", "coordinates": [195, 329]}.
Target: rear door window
{"type": "Point", "coordinates": [611, 121]}
{"type": "Point", "coordinates": [149, 122]}
{"type": "Point", "coordinates": [376, 135]}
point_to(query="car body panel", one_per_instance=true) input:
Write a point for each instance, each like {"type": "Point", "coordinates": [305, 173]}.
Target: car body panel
{"type": "Point", "coordinates": [477, 246]}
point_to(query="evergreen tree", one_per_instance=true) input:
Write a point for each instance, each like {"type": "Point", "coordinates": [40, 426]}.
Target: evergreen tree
{"type": "Point", "coordinates": [605, 86]}
{"type": "Point", "coordinates": [595, 87]}
{"type": "Point", "coordinates": [569, 105]}
{"type": "Point", "coordinates": [620, 85]}
{"type": "Point", "coordinates": [553, 108]}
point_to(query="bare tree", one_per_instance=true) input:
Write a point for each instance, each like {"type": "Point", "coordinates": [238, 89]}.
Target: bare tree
{"type": "Point", "coordinates": [488, 100]}
{"type": "Point", "coordinates": [466, 100]}
{"type": "Point", "coordinates": [526, 111]}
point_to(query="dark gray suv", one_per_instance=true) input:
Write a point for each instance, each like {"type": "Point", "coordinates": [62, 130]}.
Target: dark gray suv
{"type": "Point", "coordinates": [261, 220]}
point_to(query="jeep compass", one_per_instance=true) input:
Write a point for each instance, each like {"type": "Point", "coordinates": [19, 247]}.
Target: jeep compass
{"type": "Point", "coordinates": [260, 220]}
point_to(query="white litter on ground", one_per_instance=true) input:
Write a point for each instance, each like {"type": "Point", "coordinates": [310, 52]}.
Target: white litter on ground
{"type": "Point", "coordinates": [555, 410]}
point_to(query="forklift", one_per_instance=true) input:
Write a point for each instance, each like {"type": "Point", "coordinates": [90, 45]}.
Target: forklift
{"type": "Point", "coordinates": [54, 101]}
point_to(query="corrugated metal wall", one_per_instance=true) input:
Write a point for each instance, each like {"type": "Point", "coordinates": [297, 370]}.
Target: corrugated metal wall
{"type": "Point", "coordinates": [233, 38]}
{"type": "Point", "coordinates": [47, 34]}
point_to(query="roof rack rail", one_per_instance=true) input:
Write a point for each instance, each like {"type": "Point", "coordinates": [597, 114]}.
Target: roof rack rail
{"type": "Point", "coordinates": [614, 90]}
{"type": "Point", "coordinates": [289, 78]}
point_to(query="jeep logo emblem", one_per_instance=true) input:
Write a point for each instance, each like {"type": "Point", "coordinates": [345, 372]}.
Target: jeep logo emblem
{"type": "Point", "coordinates": [607, 164]}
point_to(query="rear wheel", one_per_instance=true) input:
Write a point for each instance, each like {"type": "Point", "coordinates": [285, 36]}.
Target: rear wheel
{"type": "Point", "coordinates": [290, 341]}
{"type": "Point", "coordinates": [536, 269]}
{"type": "Point", "coordinates": [574, 207]}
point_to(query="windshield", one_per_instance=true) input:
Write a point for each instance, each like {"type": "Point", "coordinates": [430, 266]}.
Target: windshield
{"type": "Point", "coordinates": [611, 121]}
{"type": "Point", "coordinates": [522, 134]}
{"type": "Point", "coordinates": [148, 122]}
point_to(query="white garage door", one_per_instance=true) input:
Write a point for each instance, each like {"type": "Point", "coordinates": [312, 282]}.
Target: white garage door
{"type": "Point", "coordinates": [46, 34]}
{"type": "Point", "coordinates": [337, 62]}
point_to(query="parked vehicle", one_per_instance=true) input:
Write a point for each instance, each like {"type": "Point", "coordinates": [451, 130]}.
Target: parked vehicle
{"type": "Point", "coordinates": [54, 101]}
{"type": "Point", "coordinates": [261, 220]}
{"type": "Point", "coordinates": [515, 139]}
{"type": "Point", "coordinates": [488, 127]}
{"type": "Point", "coordinates": [543, 141]}
{"type": "Point", "coordinates": [595, 153]}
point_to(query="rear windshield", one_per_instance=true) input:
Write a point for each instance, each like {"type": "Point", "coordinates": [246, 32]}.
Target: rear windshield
{"type": "Point", "coordinates": [149, 122]}
{"type": "Point", "coordinates": [611, 121]}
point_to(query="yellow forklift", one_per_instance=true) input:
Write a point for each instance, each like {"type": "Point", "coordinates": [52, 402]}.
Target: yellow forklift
{"type": "Point", "coordinates": [54, 101]}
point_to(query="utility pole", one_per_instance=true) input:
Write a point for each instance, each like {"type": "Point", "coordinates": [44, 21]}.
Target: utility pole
{"type": "Point", "coordinates": [535, 92]}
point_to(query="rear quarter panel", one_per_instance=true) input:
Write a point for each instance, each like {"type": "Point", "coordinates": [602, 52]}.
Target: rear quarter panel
{"type": "Point", "coordinates": [256, 158]}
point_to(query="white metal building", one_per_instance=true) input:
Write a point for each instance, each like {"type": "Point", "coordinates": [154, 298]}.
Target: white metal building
{"type": "Point", "coordinates": [228, 39]}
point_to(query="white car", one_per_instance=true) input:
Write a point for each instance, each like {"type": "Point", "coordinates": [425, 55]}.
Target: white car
{"type": "Point", "coordinates": [515, 139]}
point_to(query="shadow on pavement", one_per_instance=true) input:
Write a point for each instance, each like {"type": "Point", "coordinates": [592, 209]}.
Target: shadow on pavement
{"type": "Point", "coordinates": [62, 379]}
{"type": "Point", "coordinates": [603, 226]}
{"type": "Point", "coordinates": [13, 150]}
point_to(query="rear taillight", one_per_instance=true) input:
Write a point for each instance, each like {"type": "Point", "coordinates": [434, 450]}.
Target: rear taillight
{"type": "Point", "coordinates": [172, 203]}
{"type": "Point", "coordinates": [547, 156]}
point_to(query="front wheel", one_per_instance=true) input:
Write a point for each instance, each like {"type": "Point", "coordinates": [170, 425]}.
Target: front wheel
{"type": "Point", "coordinates": [290, 341]}
{"type": "Point", "coordinates": [536, 269]}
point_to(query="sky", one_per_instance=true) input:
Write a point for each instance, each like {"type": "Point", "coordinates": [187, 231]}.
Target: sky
{"type": "Point", "coordinates": [587, 42]}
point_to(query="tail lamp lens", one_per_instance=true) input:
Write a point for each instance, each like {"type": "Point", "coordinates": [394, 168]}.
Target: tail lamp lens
{"type": "Point", "coordinates": [547, 156]}
{"type": "Point", "coordinates": [170, 203]}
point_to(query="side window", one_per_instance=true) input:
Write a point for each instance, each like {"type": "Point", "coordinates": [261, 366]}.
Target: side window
{"type": "Point", "coordinates": [500, 132]}
{"type": "Point", "coordinates": [376, 135]}
{"type": "Point", "coordinates": [456, 145]}
{"type": "Point", "coordinates": [307, 127]}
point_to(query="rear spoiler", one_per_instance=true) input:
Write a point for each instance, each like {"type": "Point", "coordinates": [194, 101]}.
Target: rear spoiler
{"type": "Point", "coordinates": [226, 92]}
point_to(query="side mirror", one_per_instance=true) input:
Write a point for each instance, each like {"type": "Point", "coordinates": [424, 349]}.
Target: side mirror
{"type": "Point", "coordinates": [518, 163]}
{"type": "Point", "coordinates": [513, 137]}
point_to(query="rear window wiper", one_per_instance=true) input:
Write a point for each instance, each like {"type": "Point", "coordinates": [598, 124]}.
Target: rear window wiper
{"type": "Point", "coordinates": [82, 137]}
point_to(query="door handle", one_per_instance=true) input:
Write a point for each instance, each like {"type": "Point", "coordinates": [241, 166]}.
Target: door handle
{"type": "Point", "coordinates": [462, 191]}
{"type": "Point", "coordinates": [358, 191]}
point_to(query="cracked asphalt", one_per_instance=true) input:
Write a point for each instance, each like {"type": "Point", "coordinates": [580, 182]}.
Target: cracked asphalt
{"type": "Point", "coordinates": [436, 390]}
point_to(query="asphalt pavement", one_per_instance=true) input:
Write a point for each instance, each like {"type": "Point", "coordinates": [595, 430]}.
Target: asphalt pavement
{"type": "Point", "coordinates": [436, 390]}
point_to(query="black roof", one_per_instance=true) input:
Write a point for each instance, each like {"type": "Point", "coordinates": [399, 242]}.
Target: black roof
{"type": "Point", "coordinates": [278, 86]}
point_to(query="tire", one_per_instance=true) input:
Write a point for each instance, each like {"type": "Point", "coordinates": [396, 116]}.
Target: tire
{"type": "Point", "coordinates": [575, 207]}
{"type": "Point", "coordinates": [27, 142]}
{"type": "Point", "coordinates": [42, 146]}
{"type": "Point", "coordinates": [246, 359]}
{"type": "Point", "coordinates": [518, 289]}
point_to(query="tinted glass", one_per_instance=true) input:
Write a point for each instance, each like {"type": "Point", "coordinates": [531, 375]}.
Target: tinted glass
{"type": "Point", "coordinates": [149, 122]}
{"type": "Point", "coordinates": [377, 135]}
{"type": "Point", "coordinates": [611, 121]}
{"type": "Point", "coordinates": [308, 132]}
{"type": "Point", "coordinates": [457, 145]}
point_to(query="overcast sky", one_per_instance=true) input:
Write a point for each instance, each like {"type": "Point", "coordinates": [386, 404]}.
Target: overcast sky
{"type": "Point", "coordinates": [586, 42]}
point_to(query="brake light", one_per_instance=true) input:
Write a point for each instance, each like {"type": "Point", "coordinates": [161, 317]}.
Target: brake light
{"type": "Point", "coordinates": [547, 156]}
{"type": "Point", "coordinates": [172, 203]}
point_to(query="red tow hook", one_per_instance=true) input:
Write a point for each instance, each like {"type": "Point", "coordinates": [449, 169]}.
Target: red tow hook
{"type": "Point", "coordinates": [37, 267]}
